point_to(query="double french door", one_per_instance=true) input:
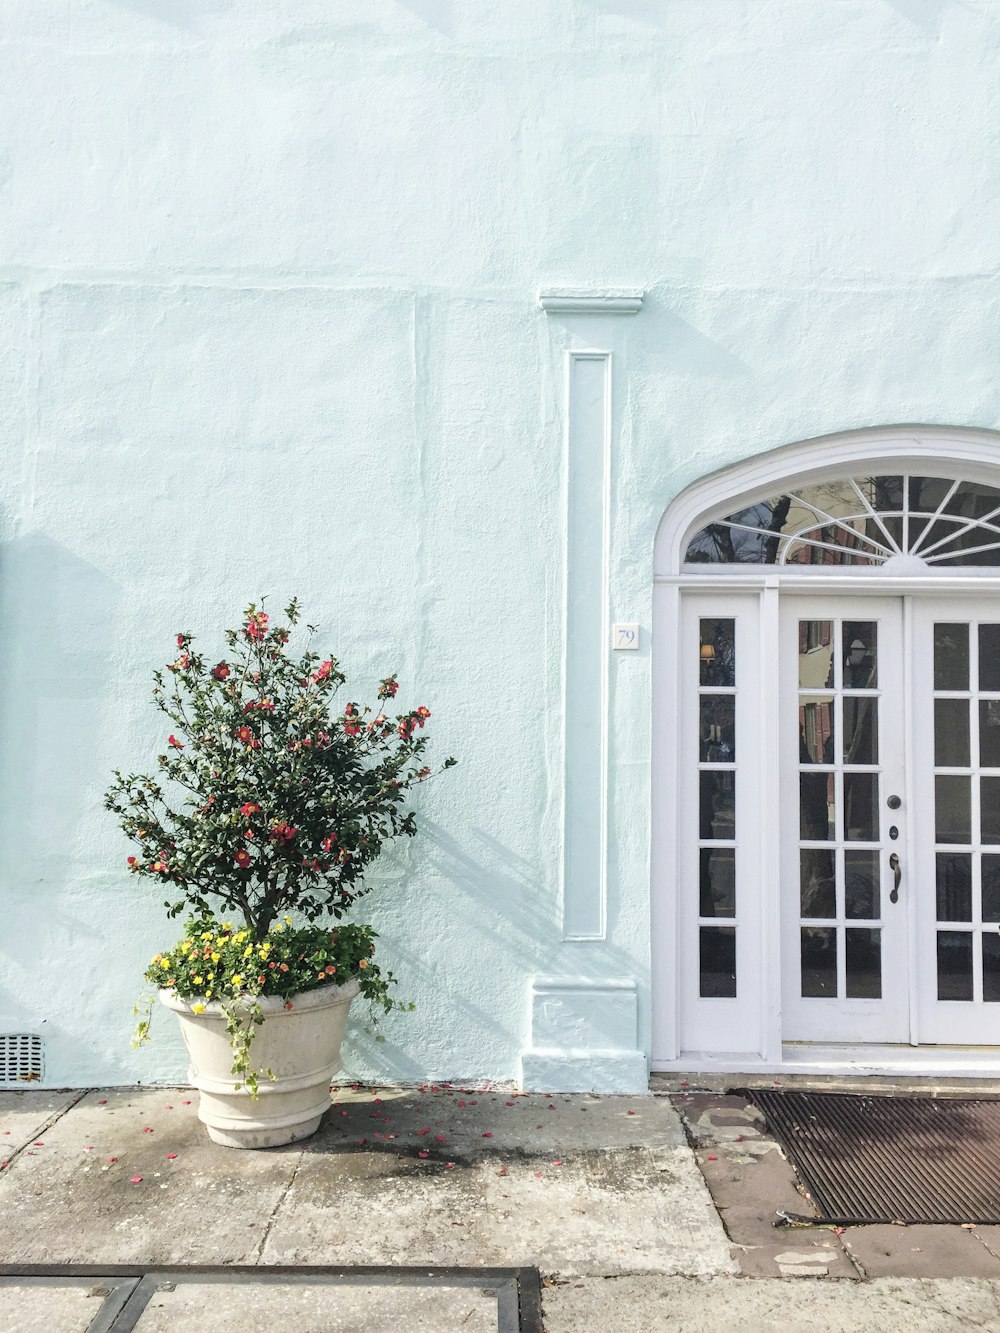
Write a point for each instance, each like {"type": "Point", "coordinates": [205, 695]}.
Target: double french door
{"type": "Point", "coordinates": [888, 727]}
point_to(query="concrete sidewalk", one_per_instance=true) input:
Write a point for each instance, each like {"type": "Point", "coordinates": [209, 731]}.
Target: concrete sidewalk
{"type": "Point", "coordinates": [602, 1195]}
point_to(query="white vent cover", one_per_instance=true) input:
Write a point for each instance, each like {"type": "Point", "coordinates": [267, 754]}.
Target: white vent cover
{"type": "Point", "coordinates": [21, 1059]}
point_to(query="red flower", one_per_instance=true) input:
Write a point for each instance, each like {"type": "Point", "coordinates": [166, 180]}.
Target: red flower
{"type": "Point", "coordinates": [181, 640]}
{"type": "Point", "coordinates": [387, 688]}
{"type": "Point", "coordinates": [352, 728]}
{"type": "Point", "coordinates": [242, 859]}
{"type": "Point", "coordinates": [249, 809]}
{"type": "Point", "coordinates": [172, 740]}
{"type": "Point", "coordinates": [256, 625]}
{"type": "Point", "coordinates": [245, 735]}
{"type": "Point", "coordinates": [322, 671]}
{"type": "Point", "coordinates": [423, 714]}
{"type": "Point", "coordinates": [131, 861]}
{"type": "Point", "coordinates": [328, 842]}
{"type": "Point", "coordinates": [222, 672]}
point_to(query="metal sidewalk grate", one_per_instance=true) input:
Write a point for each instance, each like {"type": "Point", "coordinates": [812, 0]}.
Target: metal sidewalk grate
{"type": "Point", "coordinates": [891, 1159]}
{"type": "Point", "coordinates": [22, 1059]}
{"type": "Point", "coordinates": [136, 1298]}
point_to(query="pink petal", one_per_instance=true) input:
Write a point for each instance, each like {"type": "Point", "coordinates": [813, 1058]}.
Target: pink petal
{"type": "Point", "coordinates": [136, 1180]}
{"type": "Point", "coordinates": [423, 1131]}
{"type": "Point", "coordinates": [538, 1175]}
{"type": "Point", "coordinates": [449, 1165]}
{"type": "Point", "coordinates": [112, 1159]}
{"type": "Point", "coordinates": [103, 1103]}
{"type": "Point", "coordinates": [147, 1130]}
{"type": "Point", "coordinates": [630, 1113]}
{"type": "Point", "coordinates": [185, 1103]}
{"type": "Point", "coordinates": [557, 1161]}
{"type": "Point", "coordinates": [423, 1154]}
{"type": "Point", "coordinates": [440, 1138]}
{"type": "Point", "coordinates": [487, 1135]}
{"type": "Point", "coordinates": [171, 1156]}
{"type": "Point", "coordinates": [712, 1157]}
{"type": "Point", "coordinates": [39, 1143]}
{"type": "Point", "coordinates": [89, 1147]}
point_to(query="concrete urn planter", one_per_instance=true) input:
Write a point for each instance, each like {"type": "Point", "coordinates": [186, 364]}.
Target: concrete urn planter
{"type": "Point", "coordinates": [301, 1046]}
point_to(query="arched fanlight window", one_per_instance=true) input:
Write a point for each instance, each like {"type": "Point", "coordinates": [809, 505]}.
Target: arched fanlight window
{"type": "Point", "coordinates": [863, 520]}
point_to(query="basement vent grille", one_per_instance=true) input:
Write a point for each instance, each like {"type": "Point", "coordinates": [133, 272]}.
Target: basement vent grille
{"type": "Point", "coordinates": [21, 1059]}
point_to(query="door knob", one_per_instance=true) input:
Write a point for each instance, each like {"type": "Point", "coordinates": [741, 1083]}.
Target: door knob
{"type": "Point", "coordinates": [894, 802]}
{"type": "Point", "coordinates": [897, 875]}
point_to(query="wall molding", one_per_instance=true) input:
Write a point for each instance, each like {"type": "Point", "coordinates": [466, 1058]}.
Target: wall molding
{"type": "Point", "coordinates": [583, 1036]}
{"type": "Point", "coordinates": [591, 301]}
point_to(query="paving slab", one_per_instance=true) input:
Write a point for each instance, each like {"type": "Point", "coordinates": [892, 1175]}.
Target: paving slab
{"type": "Point", "coordinates": [890, 1251]}
{"type": "Point", "coordinates": [322, 1308]}
{"type": "Point", "coordinates": [707, 1305]}
{"type": "Point", "coordinates": [24, 1115]}
{"type": "Point", "coordinates": [130, 1176]}
{"type": "Point", "coordinates": [34, 1307]}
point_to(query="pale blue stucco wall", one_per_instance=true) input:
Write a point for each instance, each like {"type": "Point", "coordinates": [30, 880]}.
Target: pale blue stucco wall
{"type": "Point", "coordinates": [268, 324]}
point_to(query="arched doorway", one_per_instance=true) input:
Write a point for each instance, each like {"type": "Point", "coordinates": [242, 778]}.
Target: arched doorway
{"type": "Point", "coordinates": [826, 850]}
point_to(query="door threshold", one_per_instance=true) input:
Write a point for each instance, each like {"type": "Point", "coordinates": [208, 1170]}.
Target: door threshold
{"type": "Point", "coordinates": [835, 1061]}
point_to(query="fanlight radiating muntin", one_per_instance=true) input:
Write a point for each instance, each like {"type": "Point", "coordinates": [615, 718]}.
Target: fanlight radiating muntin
{"type": "Point", "coordinates": [867, 521]}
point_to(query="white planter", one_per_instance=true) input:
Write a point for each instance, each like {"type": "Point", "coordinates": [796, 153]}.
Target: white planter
{"type": "Point", "coordinates": [301, 1046]}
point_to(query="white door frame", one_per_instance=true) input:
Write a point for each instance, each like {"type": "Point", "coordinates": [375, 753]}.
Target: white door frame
{"type": "Point", "coordinates": [976, 454]}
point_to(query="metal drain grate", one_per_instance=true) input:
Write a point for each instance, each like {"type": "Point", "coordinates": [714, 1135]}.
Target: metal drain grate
{"type": "Point", "coordinates": [891, 1159]}
{"type": "Point", "coordinates": [22, 1059]}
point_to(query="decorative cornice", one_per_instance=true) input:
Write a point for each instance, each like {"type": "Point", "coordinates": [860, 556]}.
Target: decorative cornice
{"type": "Point", "coordinates": [593, 301]}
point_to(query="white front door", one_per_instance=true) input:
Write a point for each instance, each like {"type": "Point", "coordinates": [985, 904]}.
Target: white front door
{"type": "Point", "coordinates": [890, 811]}
{"type": "Point", "coordinates": [844, 811]}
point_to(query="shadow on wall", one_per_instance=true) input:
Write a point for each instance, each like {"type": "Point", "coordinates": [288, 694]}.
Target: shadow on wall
{"type": "Point", "coordinates": [55, 664]}
{"type": "Point", "coordinates": [926, 14]}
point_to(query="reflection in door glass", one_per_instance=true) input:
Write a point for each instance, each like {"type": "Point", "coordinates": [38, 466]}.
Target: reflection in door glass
{"type": "Point", "coordinates": [816, 654]}
{"type": "Point", "coordinates": [718, 805]}
{"type": "Point", "coordinates": [991, 888]}
{"type": "Point", "coordinates": [817, 815]}
{"type": "Point", "coordinates": [861, 885]}
{"type": "Point", "coordinates": [954, 964]}
{"type": "Point", "coordinates": [718, 881]}
{"type": "Point", "coordinates": [951, 657]}
{"type": "Point", "coordinates": [717, 653]}
{"type": "Point", "coordinates": [952, 811]}
{"type": "Point", "coordinates": [863, 964]}
{"type": "Point", "coordinates": [989, 733]}
{"type": "Point", "coordinates": [718, 728]}
{"type": "Point", "coordinates": [861, 815]}
{"type": "Point", "coordinates": [816, 723]}
{"type": "Point", "coordinates": [718, 718]}
{"type": "Point", "coordinates": [989, 657]}
{"type": "Point", "coordinates": [991, 968]}
{"type": "Point", "coordinates": [860, 655]}
{"type": "Point", "coordinates": [819, 962]}
{"type": "Point", "coordinates": [954, 886]}
{"type": "Point", "coordinates": [817, 882]}
{"type": "Point", "coordinates": [951, 733]}
{"type": "Point", "coordinates": [717, 946]}
{"type": "Point", "coordinates": [860, 729]}
{"type": "Point", "coordinates": [989, 809]}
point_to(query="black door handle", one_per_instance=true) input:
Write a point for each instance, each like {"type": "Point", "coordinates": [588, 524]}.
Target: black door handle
{"type": "Point", "coordinates": [897, 875]}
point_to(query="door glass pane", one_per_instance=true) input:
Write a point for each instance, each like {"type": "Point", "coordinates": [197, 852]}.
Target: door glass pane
{"type": "Point", "coordinates": [954, 964]}
{"type": "Point", "coordinates": [816, 807]}
{"type": "Point", "coordinates": [860, 807]}
{"type": "Point", "coordinates": [717, 652]}
{"type": "Point", "coordinates": [954, 886]}
{"type": "Point", "coordinates": [952, 814]}
{"type": "Point", "coordinates": [860, 655]}
{"type": "Point", "coordinates": [817, 882]}
{"type": "Point", "coordinates": [991, 968]}
{"type": "Point", "coordinates": [951, 657]}
{"type": "Point", "coordinates": [860, 730]}
{"type": "Point", "coordinates": [819, 962]}
{"type": "Point", "coordinates": [816, 654]}
{"type": "Point", "coordinates": [989, 657]}
{"type": "Point", "coordinates": [717, 723]}
{"type": "Point", "coordinates": [989, 733]}
{"type": "Point", "coordinates": [989, 809]}
{"type": "Point", "coordinates": [991, 888]}
{"type": "Point", "coordinates": [863, 963]}
{"type": "Point", "coordinates": [718, 881]}
{"type": "Point", "coordinates": [718, 808]}
{"type": "Point", "coordinates": [718, 961]}
{"type": "Point", "coordinates": [861, 885]}
{"type": "Point", "coordinates": [951, 733]}
{"type": "Point", "coordinates": [816, 731]}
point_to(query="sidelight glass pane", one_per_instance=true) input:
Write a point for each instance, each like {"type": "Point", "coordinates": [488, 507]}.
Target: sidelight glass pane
{"type": "Point", "coordinates": [860, 807]}
{"type": "Point", "coordinates": [816, 731]}
{"type": "Point", "coordinates": [860, 730]}
{"type": "Point", "coordinates": [954, 886]}
{"type": "Point", "coordinates": [951, 733]}
{"type": "Point", "coordinates": [954, 964]}
{"type": "Point", "coordinates": [718, 807]}
{"type": "Point", "coordinates": [951, 657]}
{"type": "Point", "coordinates": [717, 946]}
{"type": "Point", "coordinates": [816, 807]}
{"type": "Point", "coordinates": [717, 652]}
{"type": "Point", "coordinates": [989, 657]}
{"type": "Point", "coordinates": [860, 647]}
{"type": "Point", "coordinates": [717, 723]}
{"type": "Point", "coordinates": [991, 968]}
{"type": "Point", "coordinates": [952, 811]}
{"type": "Point", "coordinates": [989, 733]}
{"type": "Point", "coordinates": [989, 810]}
{"type": "Point", "coordinates": [816, 654]}
{"type": "Point", "coordinates": [819, 962]}
{"type": "Point", "coordinates": [990, 869]}
{"type": "Point", "coordinates": [863, 964]}
{"type": "Point", "coordinates": [817, 882]}
{"type": "Point", "coordinates": [718, 881]}
{"type": "Point", "coordinates": [861, 885]}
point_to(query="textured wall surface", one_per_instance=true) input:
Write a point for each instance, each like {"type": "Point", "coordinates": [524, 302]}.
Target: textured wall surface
{"type": "Point", "coordinates": [268, 325]}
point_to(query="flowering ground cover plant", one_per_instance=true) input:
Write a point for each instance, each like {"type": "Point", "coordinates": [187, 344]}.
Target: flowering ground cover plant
{"type": "Point", "coordinates": [268, 801]}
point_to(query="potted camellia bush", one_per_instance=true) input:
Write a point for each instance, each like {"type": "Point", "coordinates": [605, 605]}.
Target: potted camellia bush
{"type": "Point", "coordinates": [268, 805]}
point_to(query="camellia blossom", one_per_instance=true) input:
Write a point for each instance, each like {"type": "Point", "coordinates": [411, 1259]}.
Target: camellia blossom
{"type": "Point", "coordinates": [242, 858]}
{"type": "Point", "coordinates": [251, 808]}
{"type": "Point", "coordinates": [222, 672]}
{"type": "Point", "coordinates": [245, 735]}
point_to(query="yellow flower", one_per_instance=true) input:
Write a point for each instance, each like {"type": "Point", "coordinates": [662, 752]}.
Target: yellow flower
{"type": "Point", "coordinates": [207, 936]}
{"type": "Point", "coordinates": [238, 939]}
{"type": "Point", "coordinates": [288, 920]}
{"type": "Point", "coordinates": [197, 1008]}
{"type": "Point", "coordinates": [198, 980]}
{"type": "Point", "coordinates": [208, 993]}
{"type": "Point", "coordinates": [279, 927]}
{"type": "Point", "coordinates": [237, 980]}
{"type": "Point", "coordinates": [164, 964]}
{"type": "Point", "coordinates": [220, 939]}
{"type": "Point", "coordinates": [363, 962]}
{"type": "Point", "coordinates": [216, 957]}
{"type": "Point", "coordinates": [185, 946]}
{"type": "Point", "coordinates": [248, 951]}
{"type": "Point", "coordinates": [264, 950]}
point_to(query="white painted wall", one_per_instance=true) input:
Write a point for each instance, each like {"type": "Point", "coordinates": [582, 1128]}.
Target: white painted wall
{"type": "Point", "coordinates": [268, 324]}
